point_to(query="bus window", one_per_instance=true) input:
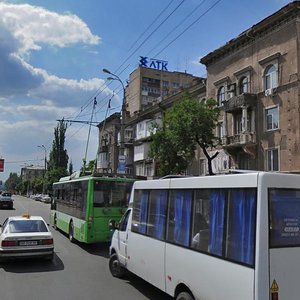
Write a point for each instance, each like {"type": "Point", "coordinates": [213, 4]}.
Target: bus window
{"type": "Point", "coordinates": [200, 228]}
{"type": "Point", "coordinates": [111, 194]}
{"type": "Point", "coordinates": [157, 214]}
{"type": "Point", "coordinates": [140, 211]}
{"type": "Point", "coordinates": [241, 225]}
{"type": "Point", "coordinates": [179, 218]}
{"type": "Point", "coordinates": [284, 217]}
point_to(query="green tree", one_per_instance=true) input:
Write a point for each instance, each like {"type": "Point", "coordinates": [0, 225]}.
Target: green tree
{"type": "Point", "coordinates": [37, 185]}
{"type": "Point", "coordinates": [13, 182]}
{"type": "Point", "coordinates": [89, 168]}
{"type": "Point", "coordinates": [70, 167]}
{"type": "Point", "coordinates": [58, 157]}
{"type": "Point", "coordinates": [187, 123]}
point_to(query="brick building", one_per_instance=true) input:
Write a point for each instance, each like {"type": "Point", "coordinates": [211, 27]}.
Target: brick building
{"type": "Point", "coordinates": [255, 78]}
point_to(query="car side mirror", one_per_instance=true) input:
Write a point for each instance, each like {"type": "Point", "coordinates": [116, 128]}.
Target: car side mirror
{"type": "Point", "coordinates": [113, 224]}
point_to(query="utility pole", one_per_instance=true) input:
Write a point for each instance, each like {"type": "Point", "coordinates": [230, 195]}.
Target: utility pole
{"type": "Point", "coordinates": [122, 158]}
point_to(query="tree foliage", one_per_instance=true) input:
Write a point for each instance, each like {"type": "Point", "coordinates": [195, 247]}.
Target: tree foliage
{"type": "Point", "coordinates": [58, 158]}
{"type": "Point", "coordinates": [187, 123]}
{"type": "Point", "coordinates": [13, 182]}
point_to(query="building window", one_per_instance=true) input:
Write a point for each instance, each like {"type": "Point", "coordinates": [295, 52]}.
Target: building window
{"type": "Point", "coordinates": [272, 160]}
{"type": "Point", "coordinates": [203, 167]}
{"type": "Point", "coordinates": [221, 95]}
{"type": "Point", "coordinates": [272, 118]}
{"type": "Point", "coordinates": [271, 78]}
{"type": "Point", "coordinates": [238, 123]}
{"type": "Point", "coordinates": [244, 85]}
{"type": "Point", "coordinates": [220, 129]}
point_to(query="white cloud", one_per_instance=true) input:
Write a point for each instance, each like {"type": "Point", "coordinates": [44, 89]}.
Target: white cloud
{"type": "Point", "coordinates": [65, 92]}
{"type": "Point", "coordinates": [33, 26]}
{"type": "Point", "coordinates": [31, 98]}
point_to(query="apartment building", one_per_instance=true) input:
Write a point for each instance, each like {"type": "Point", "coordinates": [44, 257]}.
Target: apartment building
{"type": "Point", "coordinates": [148, 93]}
{"type": "Point", "coordinates": [28, 173]}
{"type": "Point", "coordinates": [255, 79]}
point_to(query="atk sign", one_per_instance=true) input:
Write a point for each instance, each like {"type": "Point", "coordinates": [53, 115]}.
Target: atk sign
{"type": "Point", "coordinates": [153, 63]}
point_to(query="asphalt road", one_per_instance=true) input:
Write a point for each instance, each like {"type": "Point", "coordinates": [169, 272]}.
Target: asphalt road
{"type": "Point", "coordinates": [78, 271]}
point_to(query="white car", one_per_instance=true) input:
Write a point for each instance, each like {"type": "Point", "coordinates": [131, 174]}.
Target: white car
{"type": "Point", "coordinates": [26, 237]}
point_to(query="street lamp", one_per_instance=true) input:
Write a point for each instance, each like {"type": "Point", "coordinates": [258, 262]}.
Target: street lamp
{"type": "Point", "coordinates": [121, 166]}
{"type": "Point", "coordinates": [45, 161]}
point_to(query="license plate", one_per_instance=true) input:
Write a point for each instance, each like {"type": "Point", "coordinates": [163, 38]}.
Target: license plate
{"type": "Point", "coordinates": [28, 243]}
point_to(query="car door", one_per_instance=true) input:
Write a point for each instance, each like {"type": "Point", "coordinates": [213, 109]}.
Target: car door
{"type": "Point", "coordinates": [122, 238]}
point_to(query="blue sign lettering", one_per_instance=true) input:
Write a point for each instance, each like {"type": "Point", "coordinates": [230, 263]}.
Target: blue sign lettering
{"type": "Point", "coordinates": [153, 63]}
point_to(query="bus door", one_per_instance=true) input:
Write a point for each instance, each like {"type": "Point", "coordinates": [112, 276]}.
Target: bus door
{"type": "Point", "coordinates": [122, 237]}
{"type": "Point", "coordinates": [284, 244]}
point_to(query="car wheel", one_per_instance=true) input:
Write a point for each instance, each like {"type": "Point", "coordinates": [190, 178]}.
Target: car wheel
{"type": "Point", "coordinates": [115, 268]}
{"type": "Point", "coordinates": [184, 296]}
{"type": "Point", "coordinates": [71, 232]}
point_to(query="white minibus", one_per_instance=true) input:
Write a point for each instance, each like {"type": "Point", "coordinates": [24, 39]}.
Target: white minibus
{"type": "Point", "coordinates": [229, 237]}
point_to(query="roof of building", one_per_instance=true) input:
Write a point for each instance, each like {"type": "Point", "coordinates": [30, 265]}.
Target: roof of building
{"type": "Point", "coordinates": [249, 35]}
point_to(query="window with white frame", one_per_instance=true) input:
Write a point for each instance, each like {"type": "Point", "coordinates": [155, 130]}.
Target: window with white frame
{"type": "Point", "coordinates": [221, 95]}
{"type": "Point", "coordinates": [272, 160]}
{"type": "Point", "coordinates": [272, 118]}
{"type": "Point", "coordinates": [270, 77]}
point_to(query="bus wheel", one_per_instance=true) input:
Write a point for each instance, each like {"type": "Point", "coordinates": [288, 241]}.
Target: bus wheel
{"type": "Point", "coordinates": [115, 268]}
{"type": "Point", "coordinates": [184, 296]}
{"type": "Point", "coordinates": [71, 232]}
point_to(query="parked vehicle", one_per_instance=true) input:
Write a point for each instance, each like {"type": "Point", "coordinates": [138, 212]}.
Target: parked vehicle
{"type": "Point", "coordinates": [228, 237]}
{"type": "Point", "coordinates": [6, 200]}
{"type": "Point", "coordinates": [26, 236]}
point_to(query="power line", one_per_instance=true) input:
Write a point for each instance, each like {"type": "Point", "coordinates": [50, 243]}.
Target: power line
{"type": "Point", "coordinates": [180, 23]}
{"type": "Point", "coordinates": [187, 28]}
{"type": "Point", "coordinates": [159, 25]}
{"type": "Point", "coordinates": [150, 25]}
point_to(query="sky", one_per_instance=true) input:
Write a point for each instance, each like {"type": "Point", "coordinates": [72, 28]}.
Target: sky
{"type": "Point", "coordinates": [52, 53]}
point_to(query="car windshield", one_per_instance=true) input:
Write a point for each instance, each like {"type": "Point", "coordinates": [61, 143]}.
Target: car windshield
{"type": "Point", "coordinates": [27, 226]}
{"type": "Point", "coordinates": [6, 194]}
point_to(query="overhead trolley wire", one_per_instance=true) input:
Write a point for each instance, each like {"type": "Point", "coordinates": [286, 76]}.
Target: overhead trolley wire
{"type": "Point", "coordinates": [152, 32]}
{"type": "Point", "coordinates": [188, 27]}
{"type": "Point", "coordinates": [149, 26]}
{"type": "Point", "coordinates": [179, 24]}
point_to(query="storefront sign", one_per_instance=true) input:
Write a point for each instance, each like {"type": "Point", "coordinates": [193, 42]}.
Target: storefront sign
{"type": "Point", "coordinates": [1, 165]}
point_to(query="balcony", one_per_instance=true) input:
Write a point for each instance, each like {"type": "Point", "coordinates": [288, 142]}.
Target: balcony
{"type": "Point", "coordinates": [243, 141]}
{"type": "Point", "coordinates": [237, 102]}
{"type": "Point", "coordinates": [240, 139]}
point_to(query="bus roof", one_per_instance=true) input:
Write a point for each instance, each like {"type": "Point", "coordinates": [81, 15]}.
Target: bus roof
{"type": "Point", "coordinates": [241, 179]}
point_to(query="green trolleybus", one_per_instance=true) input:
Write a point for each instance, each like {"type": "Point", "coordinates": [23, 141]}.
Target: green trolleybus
{"type": "Point", "coordinates": [83, 206]}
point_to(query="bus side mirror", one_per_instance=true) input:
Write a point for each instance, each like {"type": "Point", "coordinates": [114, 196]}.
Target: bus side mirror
{"type": "Point", "coordinates": [113, 224]}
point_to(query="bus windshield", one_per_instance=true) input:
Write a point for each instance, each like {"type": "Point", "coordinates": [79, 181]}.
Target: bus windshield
{"type": "Point", "coordinates": [111, 194]}
{"type": "Point", "coordinates": [284, 217]}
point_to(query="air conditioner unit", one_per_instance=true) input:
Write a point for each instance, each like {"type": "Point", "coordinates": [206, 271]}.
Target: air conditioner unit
{"type": "Point", "coordinates": [268, 92]}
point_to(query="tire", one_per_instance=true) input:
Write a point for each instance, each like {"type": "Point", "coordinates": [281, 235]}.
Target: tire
{"type": "Point", "coordinates": [71, 232]}
{"type": "Point", "coordinates": [115, 268]}
{"type": "Point", "coordinates": [184, 296]}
